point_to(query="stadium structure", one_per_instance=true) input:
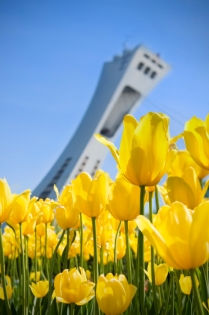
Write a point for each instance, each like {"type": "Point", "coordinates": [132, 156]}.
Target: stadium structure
{"type": "Point", "coordinates": [124, 83]}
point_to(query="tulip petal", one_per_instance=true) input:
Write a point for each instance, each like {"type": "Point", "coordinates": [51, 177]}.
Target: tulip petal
{"type": "Point", "coordinates": [156, 240]}
{"type": "Point", "coordinates": [110, 146]}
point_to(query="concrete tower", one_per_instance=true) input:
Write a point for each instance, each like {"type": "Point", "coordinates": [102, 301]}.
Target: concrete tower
{"type": "Point", "coordinates": [124, 83]}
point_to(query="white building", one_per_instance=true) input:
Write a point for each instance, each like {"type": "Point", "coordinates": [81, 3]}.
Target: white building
{"type": "Point", "coordinates": [124, 83]}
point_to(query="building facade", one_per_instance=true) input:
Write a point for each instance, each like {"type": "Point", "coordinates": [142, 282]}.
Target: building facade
{"type": "Point", "coordinates": [124, 83]}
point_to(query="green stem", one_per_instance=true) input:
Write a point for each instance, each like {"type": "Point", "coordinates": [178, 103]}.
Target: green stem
{"type": "Point", "coordinates": [128, 258]}
{"type": "Point", "coordinates": [140, 257]}
{"type": "Point", "coordinates": [206, 270]}
{"type": "Point", "coordinates": [3, 274]}
{"type": "Point", "coordinates": [196, 293]}
{"type": "Point", "coordinates": [169, 291]}
{"type": "Point", "coordinates": [101, 260]}
{"type": "Point", "coordinates": [35, 255]}
{"type": "Point", "coordinates": [153, 260]}
{"type": "Point", "coordinates": [67, 249]}
{"type": "Point", "coordinates": [96, 270]}
{"type": "Point", "coordinates": [23, 272]}
{"type": "Point", "coordinates": [157, 204]}
{"type": "Point", "coordinates": [72, 309]}
{"type": "Point", "coordinates": [81, 240]}
{"type": "Point", "coordinates": [172, 294]}
{"type": "Point", "coordinates": [46, 260]}
{"type": "Point", "coordinates": [26, 272]}
{"type": "Point", "coordinates": [51, 272]}
{"type": "Point", "coordinates": [178, 292]}
{"type": "Point", "coordinates": [39, 306]}
{"type": "Point", "coordinates": [115, 248]}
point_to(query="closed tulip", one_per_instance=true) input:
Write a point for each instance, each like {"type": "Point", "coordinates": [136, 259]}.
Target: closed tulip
{"type": "Point", "coordinates": [114, 294]}
{"type": "Point", "coordinates": [161, 272]}
{"type": "Point", "coordinates": [71, 286]}
{"type": "Point", "coordinates": [40, 289]}
{"type": "Point", "coordinates": [66, 214]}
{"type": "Point", "coordinates": [7, 200]}
{"type": "Point", "coordinates": [180, 235]}
{"type": "Point", "coordinates": [124, 201]}
{"type": "Point", "coordinates": [196, 136]}
{"type": "Point", "coordinates": [146, 151]}
{"type": "Point", "coordinates": [185, 284]}
{"type": "Point", "coordinates": [46, 210]}
{"type": "Point", "coordinates": [186, 189]}
{"type": "Point", "coordinates": [8, 289]}
{"type": "Point", "coordinates": [91, 193]}
{"type": "Point", "coordinates": [183, 160]}
{"type": "Point", "coordinates": [20, 208]}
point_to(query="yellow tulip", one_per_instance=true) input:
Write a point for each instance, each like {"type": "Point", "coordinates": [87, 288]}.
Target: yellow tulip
{"type": "Point", "coordinates": [8, 289]}
{"type": "Point", "coordinates": [186, 189]}
{"type": "Point", "coordinates": [196, 137]}
{"type": "Point", "coordinates": [121, 246]}
{"type": "Point", "coordinates": [161, 272]}
{"type": "Point", "coordinates": [114, 294]}
{"type": "Point", "coordinates": [91, 194]}
{"type": "Point", "coordinates": [35, 276]}
{"type": "Point", "coordinates": [20, 208]}
{"type": "Point", "coordinates": [71, 286]}
{"type": "Point", "coordinates": [9, 292]}
{"type": "Point", "coordinates": [88, 274]}
{"type": "Point", "coordinates": [185, 284]}
{"type": "Point", "coordinates": [40, 289]}
{"type": "Point", "coordinates": [123, 200]}
{"type": "Point", "coordinates": [46, 210]}
{"type": "Point", "coordinates": [66, 214]}
{"type": "Point", "coordinates": [182, 161]}
{"type": "Point", "coordinates": [28, 226]}
{"type": "Point", "coordinates": [6, 199]}
{"type": "Point", "coordinates": [146, 151]}
{"type": "Point", "coordinates": [180, 235]}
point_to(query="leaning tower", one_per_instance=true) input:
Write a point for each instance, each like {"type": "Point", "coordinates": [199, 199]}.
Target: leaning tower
{"type": "Point", "coordinates": [124, 83]}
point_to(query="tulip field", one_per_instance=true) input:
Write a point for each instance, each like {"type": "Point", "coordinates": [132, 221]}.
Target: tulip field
{"type": "Point", "coordinates": [95, 250]}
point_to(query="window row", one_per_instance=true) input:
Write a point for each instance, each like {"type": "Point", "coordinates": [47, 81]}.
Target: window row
{"type": "Point", "coordinates": [147, 70]}
{"type": "Point", "coordinates": [153, 60]}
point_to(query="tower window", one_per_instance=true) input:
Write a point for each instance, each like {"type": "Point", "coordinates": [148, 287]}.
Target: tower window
{"type": "Point", "coordinates": [153, 74]}
{"type": "Point", "coordinates": [146, 70]}
{"type": "Point", "coordinates": [140, 65]}
{"type": "Point", "coordinates": [146, 56]}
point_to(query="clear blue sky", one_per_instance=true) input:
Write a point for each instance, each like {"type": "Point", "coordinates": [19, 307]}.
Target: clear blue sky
{"type": "Point", "coordinates": [51, 55]}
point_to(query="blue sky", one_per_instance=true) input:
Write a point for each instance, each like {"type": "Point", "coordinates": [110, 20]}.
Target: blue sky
{"type": "Point", "coordinates": [51, 55]}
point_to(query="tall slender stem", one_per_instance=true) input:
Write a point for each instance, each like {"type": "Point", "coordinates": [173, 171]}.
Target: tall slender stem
{"type": "Point", "coordinates": [140, 257]}
{"type": "Point", "coordinates": [178, 292]}
{"type": "Point", "coordinates": [115, 248]}
{"type": "Point", "coordinates": [26, 272]}
{"type": "Point", "coordinates": [67, 248]}
{"type": "Point", "coordinates": [96, 270]}
{"type": "Point", "coordinates": [46, 260]}
{"type": "Point", "coordinates": [81, 240]}
{"type": "Point", "coordinates": [51, 272]}
{"type": "Point", "coordinates": [153, 260]}
{"type": "Point", "coordinates": [168, 293]}
{"type": "Point", "coordinates": [35, 254]}
{"type": "Point", "coordinates": [196, 293]}
{"type": "Point", "coordinates": [102, 260]}
{"type": "Point", "coordinates": [3, 274]}
{"type": "Point", "coordinates": [23, 272]}
{"type": "Point", "coordinates": [128, 258]}
{"type": "Point", "coordinates": [157, 204]}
